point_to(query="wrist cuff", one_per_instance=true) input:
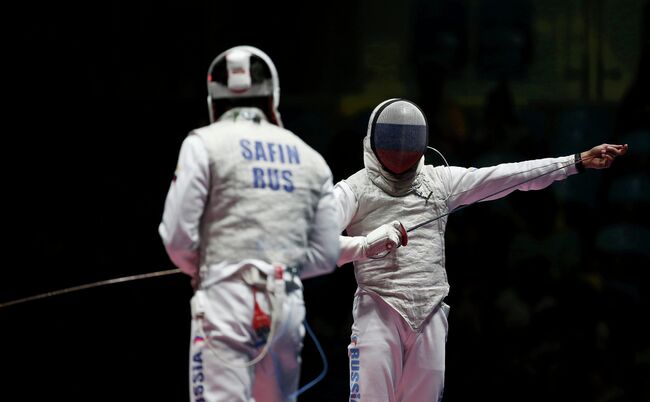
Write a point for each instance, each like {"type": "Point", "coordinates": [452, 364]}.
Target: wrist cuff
{"type": "Point", "coordinates": [578, 161]}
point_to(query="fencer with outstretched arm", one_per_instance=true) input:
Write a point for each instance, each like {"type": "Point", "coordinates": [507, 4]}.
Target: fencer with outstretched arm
{"type": "Point", "coordinates": [397, 347]}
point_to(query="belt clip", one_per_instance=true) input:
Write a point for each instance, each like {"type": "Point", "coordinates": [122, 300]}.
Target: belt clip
{"type": "Point", "coordinates": [278, 283]}
{"type": "Point", "coordinates": [279, 272]}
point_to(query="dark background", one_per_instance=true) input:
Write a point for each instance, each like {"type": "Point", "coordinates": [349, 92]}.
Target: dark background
{"type": "Point", "coordinates": [549, 290]}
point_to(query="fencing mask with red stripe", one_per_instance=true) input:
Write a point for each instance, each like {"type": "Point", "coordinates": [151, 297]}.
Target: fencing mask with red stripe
{"type": "Point", "coordinates": [398, 134]}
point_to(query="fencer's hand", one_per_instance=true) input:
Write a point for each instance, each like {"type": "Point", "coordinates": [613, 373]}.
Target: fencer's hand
{"type": "Point", "coordinates": [602, 156]}
{"type": "Point", "coordinates": [384, 239]}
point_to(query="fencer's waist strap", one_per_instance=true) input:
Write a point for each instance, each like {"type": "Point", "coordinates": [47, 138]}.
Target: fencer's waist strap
{"type": "Point", "coordinates": [292, 278]}
{"type": "Point", "coordinates": [251, 271]}
{"type": "Point", "coordinates": [260, 280]}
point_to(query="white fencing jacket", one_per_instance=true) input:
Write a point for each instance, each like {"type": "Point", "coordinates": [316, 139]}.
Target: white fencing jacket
{"type": "Point", "coordinates": [412, 279]}
{"type": "Point", "coordinates": [246, 190]}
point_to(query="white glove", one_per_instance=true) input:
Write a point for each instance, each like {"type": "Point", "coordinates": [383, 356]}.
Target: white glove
{"type": "Point", "coordinates": [384, 239]}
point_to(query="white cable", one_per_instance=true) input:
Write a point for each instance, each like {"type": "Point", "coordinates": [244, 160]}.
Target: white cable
{"type": "Point", "coordinates": [439, 153]}
{"type": "Point", "coordinates": [447, 168]}
{"type": "Point", "coordinates": [275, 312]}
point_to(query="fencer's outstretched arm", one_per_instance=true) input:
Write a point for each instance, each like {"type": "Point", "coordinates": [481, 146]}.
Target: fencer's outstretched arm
{"type": "Point", "coordinates": [353, 248]}
{"type": "Point", "coordinates": [322, 248]}
{"type": "Point", "coordinates": [466, 186]}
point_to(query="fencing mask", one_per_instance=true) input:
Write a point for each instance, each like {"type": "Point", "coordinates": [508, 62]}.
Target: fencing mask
{"type": "Point", "coordinates": [398, 134]}
{"type": "Point", "coordinates": [243, 76]}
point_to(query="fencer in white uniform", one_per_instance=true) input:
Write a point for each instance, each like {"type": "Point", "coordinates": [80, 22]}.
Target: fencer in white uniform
{"type": "Point", "coordinates": [397, 348]}
{"type": "Point", "coordinates": [250, 211]}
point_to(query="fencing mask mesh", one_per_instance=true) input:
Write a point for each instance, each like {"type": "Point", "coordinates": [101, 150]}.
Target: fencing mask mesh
{"type": "Point", "coordinates": [398, 134]}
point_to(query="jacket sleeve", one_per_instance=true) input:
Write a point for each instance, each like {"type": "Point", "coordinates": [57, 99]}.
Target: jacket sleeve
{"type": "Point", "coordinates": [184, 205]}
{"type": "Point", "coordinates": [323, 244]}
{"type": "Point", "coordinates": [466, 186]}
{"type": "Point", "coordinates": [352, 247]}
{"type": "Point", "coordinates": [346, 204]}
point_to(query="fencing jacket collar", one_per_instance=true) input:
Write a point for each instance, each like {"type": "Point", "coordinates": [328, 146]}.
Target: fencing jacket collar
{"type": "Point", "coordinates": [243, 113]}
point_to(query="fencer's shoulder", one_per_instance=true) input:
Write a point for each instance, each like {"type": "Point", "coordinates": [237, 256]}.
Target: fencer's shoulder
{"type": "Point", "coordinates": [192, 142]}
{"type": "Point", "coordinates": [211, 136]}
{"type": "Point", "coordinates": [357, 180]}
{"type": "Point", "coordinates": [440, 172]}
{"type": "Point", "coordinates": [211, 130]}
{"type": "Point", "coordinates": [431, 169]}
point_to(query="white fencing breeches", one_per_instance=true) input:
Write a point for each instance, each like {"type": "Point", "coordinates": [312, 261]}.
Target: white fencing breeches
{"type": "Point", "coordinates": [216, 372]}
{"type": "Point", "coordinates": [389, 361]}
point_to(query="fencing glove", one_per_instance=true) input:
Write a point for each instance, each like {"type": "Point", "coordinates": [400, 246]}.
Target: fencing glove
{"type": "Point", "coordinates": [376, 244]}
